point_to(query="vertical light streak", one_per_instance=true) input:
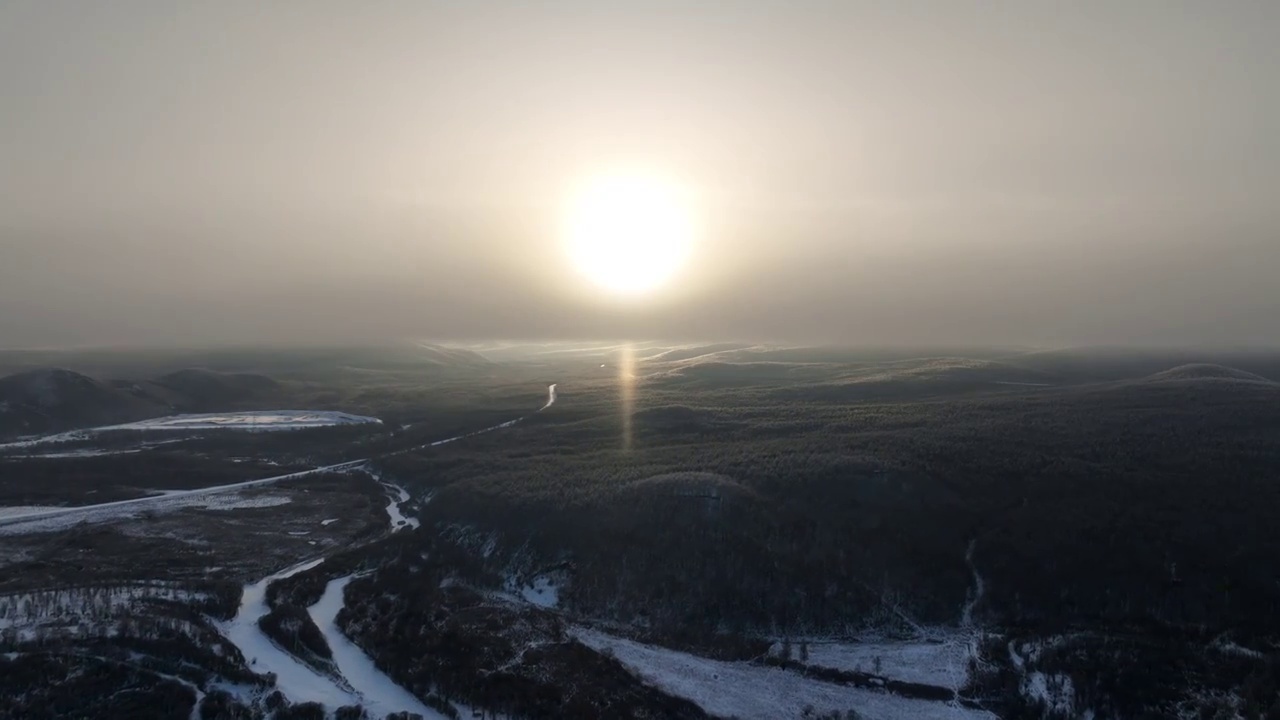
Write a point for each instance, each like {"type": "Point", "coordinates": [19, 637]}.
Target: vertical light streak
{"type": "Point", "coordinates": [627, 392]}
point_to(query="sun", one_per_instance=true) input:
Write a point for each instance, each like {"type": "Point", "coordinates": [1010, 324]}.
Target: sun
{"type": "Point", "coordinates": [628, 233]}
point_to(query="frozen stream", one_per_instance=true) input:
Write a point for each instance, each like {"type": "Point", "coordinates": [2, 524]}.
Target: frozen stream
{"type": "Point", "coordinates": [298, 682]}
{"type": "Point", "coordinates": [360, 681]}
{"type": "Point", "coordinates": [399, 521]}
{"type": "Point", "coordinates": [377, 692]}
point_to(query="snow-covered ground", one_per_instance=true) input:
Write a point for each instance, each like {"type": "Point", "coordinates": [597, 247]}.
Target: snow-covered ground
{"type": "Point", "coordinates": [1053, 690]}
{"type": "Point", "coordinates": [256, 420]}
{"type": "Point", "coordinates": [84, 453]}
{"type": "Point", "coordinates": [239, 501]}
{"type": "Point", "coordinates": [50, 520]}
{"type": "Point", "coordinates": [32, 441]}
{"type": "Point", "coordinates": [21, 510]}
{"type": "Point", "coordinates": [941, 664]}
{"type": "Point", "coordinates": [88, 451]}
{"type": "Point", "coordinates": [543, 592]}
{"type": "Point", "coordinates": [298, 682]}
{"type": "Point", "coordinates": [752, 692]}
{"type": "Point", "coordinates": [80, 610]}
{"type": "Point", "coordinates": [377, 692]}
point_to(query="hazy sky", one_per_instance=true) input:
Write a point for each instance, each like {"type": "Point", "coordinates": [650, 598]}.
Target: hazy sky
{"type": "Point", "coordinates": [880, 172]}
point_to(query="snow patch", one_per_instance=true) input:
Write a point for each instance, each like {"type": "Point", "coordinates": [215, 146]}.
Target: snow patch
{"type": "Point", "coordinates": [752, 692]}
{"type": "Point", "coordinates": [941, 664]}
{"type": "Point", "coordinates": [256, 420]}
{"type": "Point", "coordinates": [21, 510]}
{"type": "Point", "coordinates": [1054, 690]}
{"type": "Point", "coordinates": [239, 502]}
{"type": "Point", "coordinates": [543, 592]}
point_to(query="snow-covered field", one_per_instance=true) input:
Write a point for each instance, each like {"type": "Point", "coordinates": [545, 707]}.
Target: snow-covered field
{"type": "Point", "coordinates": [542, 592]}
{"type": "Point", "coordinates": [20, 510]}
{"type": "Point", "coordinates": [377, 692]}
{"type": "Point", "coordinates": [85, 452]}
{"type": "Point", "coordinates": [54, 519]}
{"type": "Point", "coordinates": [257, 420]}
{"type": "Point", "coordinates": [240, 502]}
{"type": "Point", "coordinates": [751, 692]}
{"type": "Point", "coordinates": [261, 420]}
{"type": "Point", "coordinates": [941, 664]}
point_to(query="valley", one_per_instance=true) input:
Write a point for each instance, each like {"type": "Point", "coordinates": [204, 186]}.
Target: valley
{"type": "Point", "coordinates": [765, 533]}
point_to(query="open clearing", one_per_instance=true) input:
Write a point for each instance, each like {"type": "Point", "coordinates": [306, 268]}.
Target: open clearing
{"type": "Point", "coordinates": [752, 692]}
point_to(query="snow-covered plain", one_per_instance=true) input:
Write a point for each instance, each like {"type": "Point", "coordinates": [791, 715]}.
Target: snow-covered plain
{"type": "Point", "coordinates": [51, 520]}
{"type": "Point", "coordinates": [21, 510]}
{"type": "Point", "coordinates": [84, 453]}
{"type": "Point", "coordinates": [941, 664]}
{"type": "Point", "coordinates": [256, 420]}
{"type": "Point", "coordinates": [377, 692]}
{"type": "Point", "coordinates": [241, 502]}
{"type": "Point", "coordinates": [260, 420]}
{"type": "Point", "coordinates": [752, 692]}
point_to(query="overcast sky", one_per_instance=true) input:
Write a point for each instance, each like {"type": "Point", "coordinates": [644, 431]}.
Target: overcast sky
{"type": "Point", "coordinates": [880, 173]}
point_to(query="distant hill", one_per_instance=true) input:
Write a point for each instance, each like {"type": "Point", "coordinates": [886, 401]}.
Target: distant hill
{"type": "Point", "coordinates": [53, 399]}
{"type": "Point", "coordinates": [714, 373]}
{"type": "Point", "coordinates": [441, 355]}
{"type": "Point", "coordinates": [1085, 365]}
{"type": "Point", "coordinates": [195, 389]}
{"type": "Point", "coordinates": [695, 351]}
{"type": "Point", "coordinates": [840, 382]}
{"type": "Point", "coordinates": [1205, 371]}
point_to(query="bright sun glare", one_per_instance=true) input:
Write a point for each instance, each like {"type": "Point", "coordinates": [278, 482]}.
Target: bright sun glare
{"type": "Point", "coordinates": [628, 234]}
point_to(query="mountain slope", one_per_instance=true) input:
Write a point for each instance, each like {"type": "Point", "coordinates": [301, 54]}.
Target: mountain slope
{"type": "Point", "coordinates": [53, 399]}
